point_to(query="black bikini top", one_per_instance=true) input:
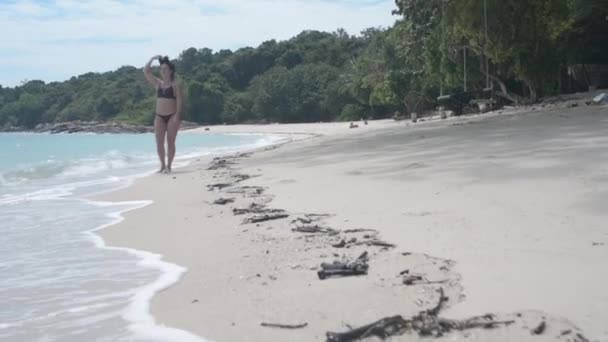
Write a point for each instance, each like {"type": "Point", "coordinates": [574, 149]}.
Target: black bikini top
{"type": "Point", "coordinates": [166, 93]}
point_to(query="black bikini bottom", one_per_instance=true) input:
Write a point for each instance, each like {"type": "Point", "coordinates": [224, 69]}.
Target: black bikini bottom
{"type": "Point", "coordinates": [165, 118]}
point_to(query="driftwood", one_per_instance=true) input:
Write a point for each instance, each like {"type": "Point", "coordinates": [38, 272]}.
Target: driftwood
{"type": "Point", "coordinates": [383, 328]}
{"type": "Point", "coordinates": [341, 269]}
{"type": "Point", "coordinates": [315, 229]}
{"type": "Point", "coordinates": [256, 208]}
{"type": "Point", "coordinates": [354, 242]}
{"type": "Point", "coordinates": [262, 213]}
{"type": "Point", "coordinates": [416, 279]}
{"type": "Point", "coordinates": [265, 217]}
{"type": "Point", "coordinates": [360, 230]}
{"type": "Point", "coordinates": [223, 201]}
{"type": "Point", "coordinates": [412, 279]}
{"type": "Point", "coordinates": [239, 177]}
{"type": "Point", "coordinates": [256, 190]}
{"type": "Point", "coordinates": [425, 323]}
{"type": "Point", "coordinates": [343, 243]}
{"type": "Point", "coordinates": [284, 326]}
{"type": "Point", "coordinates": [218, 186]}
{"type": "Point", "coordinates": [381, 243]}
{"type": "Point", "coordinates": [540, 329]}
{"type": "Point", "coordinates": [304, 220]}
{"type": "Point", "coordinates": [308, 218]}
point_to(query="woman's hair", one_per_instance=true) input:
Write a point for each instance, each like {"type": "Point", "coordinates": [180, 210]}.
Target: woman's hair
{"type": "Point", "coordinates": [165, 60]}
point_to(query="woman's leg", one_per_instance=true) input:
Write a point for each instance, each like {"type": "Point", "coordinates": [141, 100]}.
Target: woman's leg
{"type": "Point", "coordinates": [160, 129]}
{"type": "Point", "coordinates": [172, 129]}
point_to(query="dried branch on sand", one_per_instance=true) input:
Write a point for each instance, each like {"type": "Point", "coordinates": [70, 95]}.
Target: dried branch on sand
{"type": "Point", "coordinates": [425, 323]}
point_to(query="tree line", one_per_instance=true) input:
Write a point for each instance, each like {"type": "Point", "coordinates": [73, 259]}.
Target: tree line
{"type": "Point", "coordinates": [524, 50]}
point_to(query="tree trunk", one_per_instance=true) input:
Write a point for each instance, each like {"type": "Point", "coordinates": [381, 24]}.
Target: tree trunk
{"type": "Point", "coordinates": [504, 92]}
{"type": "Point", "coordinates": [503, 87]}
{"type": "Point", "coordinates": [559, 79]}
{"type": "Point", "coordinates": [532, 90]}
{"type": "Point", "coordinates": [407, 107]}
{"type": "Point", "coordinates": [411, 100]}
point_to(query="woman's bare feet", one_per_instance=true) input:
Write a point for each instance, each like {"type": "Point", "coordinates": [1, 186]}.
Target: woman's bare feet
{"type": "Point", "coordinates": [162, 169]}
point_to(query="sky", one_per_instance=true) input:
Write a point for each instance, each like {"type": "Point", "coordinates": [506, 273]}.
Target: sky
{"type": "Point", "coordinates": [53, 40]}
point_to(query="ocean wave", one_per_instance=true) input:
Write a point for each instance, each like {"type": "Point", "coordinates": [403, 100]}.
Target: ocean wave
{"type": "Point", "coordinates": [74, 169]}
{"type": "Point", "coordinates": [24, 173]}
{"type": "Point", "coordinates": [55, 192]}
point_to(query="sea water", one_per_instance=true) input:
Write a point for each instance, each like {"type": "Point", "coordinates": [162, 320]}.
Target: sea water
{"type": "Point", "coordinates": [58, 280]}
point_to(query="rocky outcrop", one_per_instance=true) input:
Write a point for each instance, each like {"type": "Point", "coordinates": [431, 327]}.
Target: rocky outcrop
{"type": "Point", "coordinates": [90, 127]}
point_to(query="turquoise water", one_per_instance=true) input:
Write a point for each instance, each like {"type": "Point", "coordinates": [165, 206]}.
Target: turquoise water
{"type": "Point", "coordinates": [59, 281]}
{"type": "Point", "coordinates": [30, 156]}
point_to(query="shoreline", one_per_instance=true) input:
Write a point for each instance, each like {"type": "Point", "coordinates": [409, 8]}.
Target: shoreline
{"type": "Point", "coordinates": [138, 315]}
{"type": "Point", "coordinates": [174, 305]}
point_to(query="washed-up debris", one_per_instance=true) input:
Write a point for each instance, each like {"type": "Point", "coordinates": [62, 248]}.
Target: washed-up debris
{"type": "Point", "coordinates": [256, 208]}
{"type": "Point", "coordinates": [383, 328]}
{"type": "Point", "coordinates": [412, 279]}
{"type": "Point", "coordinates": [416, 279]}
{"type": "Point", "coordinates": [343, 243]}
{"type": "Point", "coordinates": [601, 98]}
{"type": "Point", "coordinates": [578, 337]}
{"type": "Point", "coordinates": [265, 217]}
{"type": "Point", "coordinates": [251, 190]}
{"type": "Point", "coordinates": [425, 323]}
{"type": "Point", "coordinates": [308, 219]}
{"type": "Point", "coordinates": [284, 326]}
{"type": "Point", "coordinates": [220, 163]}
{"type": "Point", "coordinates": [239, 177]}
{"type": "Point", "coordinates": [341, 269]}
{"type": "Point", "coordinates": [315, 229]}
{"type": "Point", "coordinates": [218, 186]}
{"type": "Point", "coordinates": [380, 243]}
{"type": "Point", "coordinates": [304, 220]}
{"type": "Point", "coordinates": [366, 241]}
{"type": "Point", "coordinates": [223, 201]}
{"type": "Point", "coordinates": [360, 230]}
{"type": "Point", "coordinates": [540, 329]}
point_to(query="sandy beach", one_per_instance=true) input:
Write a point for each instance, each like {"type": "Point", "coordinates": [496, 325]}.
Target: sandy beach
{"type": "Point", "coordinates": [505, 212]}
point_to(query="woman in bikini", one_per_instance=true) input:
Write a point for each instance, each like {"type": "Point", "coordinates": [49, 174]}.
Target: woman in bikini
{"type": "Point", "coordinates": [168, 108]}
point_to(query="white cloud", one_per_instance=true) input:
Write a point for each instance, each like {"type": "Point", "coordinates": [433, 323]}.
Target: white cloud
{"type": "Point", "coordinates": [53, 40]}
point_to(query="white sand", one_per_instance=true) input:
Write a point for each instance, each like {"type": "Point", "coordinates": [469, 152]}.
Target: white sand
{"type": "Point", "coordinates": [517, 202]}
